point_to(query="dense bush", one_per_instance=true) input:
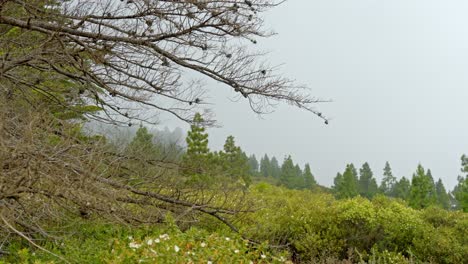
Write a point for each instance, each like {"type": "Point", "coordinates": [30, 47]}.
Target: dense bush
{"type": "Point", "coordinates": [164, 244]}
{"type": "Point", "coordinates": [315, 226]}
{"type": "Point", "coordinates": [290, 225]}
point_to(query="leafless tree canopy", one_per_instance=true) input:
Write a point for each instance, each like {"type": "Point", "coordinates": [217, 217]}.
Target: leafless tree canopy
{"type": "Point", "coordinates": [145, 54]}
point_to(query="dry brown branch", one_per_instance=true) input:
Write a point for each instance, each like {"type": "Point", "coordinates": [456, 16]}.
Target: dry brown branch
{"type": "Point", "coordinates": [126, 56]}
{"type": "Point", "coordinates": [49, 174]}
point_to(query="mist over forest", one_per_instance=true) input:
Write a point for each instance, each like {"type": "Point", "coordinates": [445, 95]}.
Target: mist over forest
{"type": "Point", "coordinates": [137, 131]}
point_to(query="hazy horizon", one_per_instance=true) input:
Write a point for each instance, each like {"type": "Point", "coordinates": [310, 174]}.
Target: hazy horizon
{"type": "Point", "coordinates": [396, 72]}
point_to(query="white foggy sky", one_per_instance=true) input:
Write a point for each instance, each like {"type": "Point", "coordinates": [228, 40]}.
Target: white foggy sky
{"type": "Point", "coordinates": [397, 72]}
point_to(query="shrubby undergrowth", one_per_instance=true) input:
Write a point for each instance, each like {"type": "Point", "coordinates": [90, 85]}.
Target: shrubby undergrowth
{"type": "Point", "coordinates": [291, 226]}
{"type": "Point", "coordinates": [315, 226]}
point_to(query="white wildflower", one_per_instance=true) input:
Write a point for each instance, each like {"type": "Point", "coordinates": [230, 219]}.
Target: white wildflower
{"type": "Point", "coordinates": [130, 237]}
{"type": "Point", "coordinates": [203, 244]}
{"type": "Point", "coordinates": [236, 251]}
{"type": "Point", "coordinates": [263, 256]}
{"type": "Point", "coordinates": [157, 240]}
{"type": "Point", "coordinates": [176, 248]}
{"type": "Point", "coordinates": [227, 239]}
{"type": "Point", "coordinates": [150, 242]}
{"type": "Point", "coordinates": [134, 245]}
{"type": "Point", "coordinates": [164, 237]}
{"type": "Point", "coordinates": [209, 262]}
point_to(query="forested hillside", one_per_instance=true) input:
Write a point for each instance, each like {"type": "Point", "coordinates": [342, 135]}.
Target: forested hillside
{"type": "Point", "coordinates": [71, 195]}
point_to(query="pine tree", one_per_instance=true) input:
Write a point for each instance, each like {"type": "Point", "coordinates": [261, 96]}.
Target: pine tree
{"type": "Point", "coordinates": [366, 181]}
{"type": "Point", "coordinates": [288, 173]}
{"type": "Point", "coordinates": [337, 184]}
{"type": "Point", "coordinates": [309, 179]}
{"type": "Point", "coordinates": [402, 189]}
{"type": "Point", "coordinates": [443, 198]}
{"type": "Point", "coordinates": [432, 192]}
{"type": "Point", "coordinates": [299, 178]}
{"type": "Point", "coordinates": [348, 183]}
{"type": "Point", "coordinates": [275, 169]}
{"type": "Point", "coordinates": [265, 166]}
{"type": "Point", "coordinates": [234, 161]}
{"type": "Point", "coordinates": [460, 192]}
{"type": "Point", "coordinates": [253, 165]}
{"type": "Point", "coordinates": [196, 159]}
{"type": "Point", "coordinates": [422, 194]}
{"type": "Point", "coordinates": [142, 144]}
{"type": "Point", "coordinates": [388, 181]}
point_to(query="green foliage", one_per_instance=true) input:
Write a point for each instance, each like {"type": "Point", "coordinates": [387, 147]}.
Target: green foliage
{"type": "Point", "coordinates": [389, 181]}
{"type": "Point", "coordinates": [234, 162]}
{"type": "Point", "coordinates": [367, 184]}
{"type": "Point", "coordinates": [318, 227]}
{"type": "Point", "coordinates": [422, 191]}
{"type": "Point", "coordinates": [275, 169]}
{"type": "Point", "coordinates": [198, 158]}
{"type": "Point", "coordinates": [142, 144]}
{"type": "Point", "coordinates": [461, 190]}
{"type": "Point", "coordinates": [289, 174]}
{"type": "Point", "coordinates": [309, 180]}
{"type": "Point", "coordinates": [346, 184]}
{"type": "Point", "coordinates": [265, 170]}
{"type": "Point", "coordinates": [253, 165]}
{"type": "Point", "coordinates": [443, 199]}
{"type": "Point", "coordinates": [402, 189]}
{"type": "Point", "coordinates": [163, 244]}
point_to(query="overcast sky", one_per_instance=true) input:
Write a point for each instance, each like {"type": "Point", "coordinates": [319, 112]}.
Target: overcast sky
{"type": "Point", "coordinates": [397, 72]}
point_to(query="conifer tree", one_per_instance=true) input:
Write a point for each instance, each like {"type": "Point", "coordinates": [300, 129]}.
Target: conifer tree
{"type": "Point", "coordinates": [309, 179]}
{"type": "Point", "coordinates": [337, 184]}
{"type": "Point", "coordinates": [288, 173]}
{"type": "Point", "coordinates": [234, 161]}
{"type": "Point", "coordinates": [422, 194]}
{"type": "Point", "coordinates": [388, 181]}
{"type": "Point", "coordinates": [275, 169]}
{"type": "Point", "coordinates": [367, 183]}
{"type": "Point", "coordinates": [265, 166]}
{"type": "Point", "coordinates": [443, 198]}
{"type": "Point", "coordinates": [300, 181]}
{"type": "Point", "coordinates": [348, 183]}
{"type": "Point", "coordinates": [460, 192]}
{"type": "Point", "coordinates": [142, 143]}
{"type": "Point", "coordinates": [402, 189]}
{"type": "Point", "coordinates": [253, 165]}
{"type": "Point", "coordinates": [196, 159]}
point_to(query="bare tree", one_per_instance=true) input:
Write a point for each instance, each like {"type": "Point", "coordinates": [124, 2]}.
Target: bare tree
{"type": "Point", "coordinates": [111, 59]}
{"type": "Point", "coordinates": [127, 55]}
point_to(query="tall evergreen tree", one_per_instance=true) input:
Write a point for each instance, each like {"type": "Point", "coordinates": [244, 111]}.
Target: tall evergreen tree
{"type": "Point", "coordinates": [422, 194]}
{"type": "Point", "coordinates": [402, 189]}
{"type": "Point", "coordinates": [367, 183]}
{"type": "Point", "coordinates": [432, 192]}
{"type": "Point", "coordinates": [143, 144]}
{"type": "Point", "coordinates": [388, 181]}
{"type": "Point", "coordinates": [288, 173]}
{"type": "Point", "coordinates": [234, 161]}
{"type": "Point", "coordinates": [337, 184]}
{"type": "Point", "coordinates": [443, 198]}
{"type": "Point", "coordinates": [275, 169]}
{"type": "Point", "coordinates": [300, 182]}
{"type": "Point", "coordinates": [347, 183]}
{"type": "Point", "coordinates": [196, 159]}
{"type": "Point", "coordinates": [265, 170]}
{"type": "Point", "coordinates": [460, 192]}
{"type": "Point", "coordinates": [253, 165]}
{"type": "Point", "coordinates": [309, 179]}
